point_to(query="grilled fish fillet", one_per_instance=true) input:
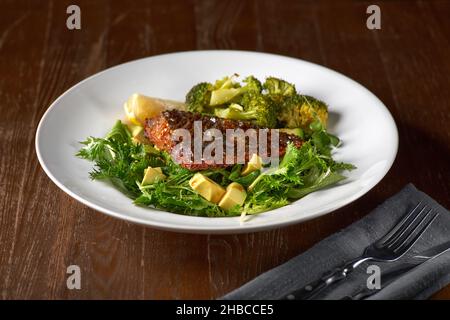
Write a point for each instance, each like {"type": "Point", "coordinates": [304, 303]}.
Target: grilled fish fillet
{"type": "Point", "coordinates": [159, 130]}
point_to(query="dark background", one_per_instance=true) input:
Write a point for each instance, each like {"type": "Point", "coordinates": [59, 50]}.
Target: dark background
{"type": "Point", "coordinates": [42, 230]}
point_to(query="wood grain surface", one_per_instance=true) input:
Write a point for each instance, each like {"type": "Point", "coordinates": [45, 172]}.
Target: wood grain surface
{"type": "Point", "coordinates": [42, 230]}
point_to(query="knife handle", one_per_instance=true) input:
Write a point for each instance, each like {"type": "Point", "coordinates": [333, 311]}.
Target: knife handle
{"type": "Point", "coordinates": [312, 289]}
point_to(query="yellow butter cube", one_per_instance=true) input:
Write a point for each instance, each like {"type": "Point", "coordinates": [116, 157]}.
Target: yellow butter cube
{"type": "Point", "coordinates": [254, 164]}
{"type": "Point", "coordinates": [235, 195]}
{"type": "Point", "coordinates": [152, 175]}
{"type": "Point", "coordinates": [207, 188]}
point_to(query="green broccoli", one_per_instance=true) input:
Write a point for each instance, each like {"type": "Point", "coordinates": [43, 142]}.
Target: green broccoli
{"type": "Point", "coordinates": [278, 87]}
{"type": "Point", "coordinates": [274, 104]}
{"type": "Point", "coordinates": [253, 107]}
{"type": "Point", "coordinates": [300, 111]}
{"type": "Point", "coordinates": [198, 98]}
{"type": "Point", "coordinates": [264, 110]}
{"type": "Point", "coordinates": [205, 95]}
{"type": "Point", "coordinates": [252, 84]}
{"type": "Point", "coordinates": [226, 83]}
{"type": "Point", "coordinates": [226, 91]}
{"type": "Point", "coordinates": [233, 112]}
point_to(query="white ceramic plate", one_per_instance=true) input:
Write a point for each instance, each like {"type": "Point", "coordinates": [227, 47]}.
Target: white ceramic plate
{"type": "Point", "coordinates": [91, 107]}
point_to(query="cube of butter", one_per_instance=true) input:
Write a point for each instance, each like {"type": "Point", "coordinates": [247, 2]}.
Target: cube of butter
{"type": "Point", "coordinates": [152, 175]}
{"type": "Point", "coordinates": [235, 195]}
{"type": "Point", "coordinates": [254, 164]}
{"type": "Point", "coordinates": [207, 188]}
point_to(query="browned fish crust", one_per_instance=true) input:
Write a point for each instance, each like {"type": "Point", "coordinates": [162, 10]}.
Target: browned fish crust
{"type": "Point", "coordinates": [159, 131]}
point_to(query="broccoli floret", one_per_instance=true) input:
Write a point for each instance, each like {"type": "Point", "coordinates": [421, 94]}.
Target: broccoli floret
{"type": "Point", "coordinates": [276, 86]}
{"type": "Point", "coordinates": [205, 95]}
{"type": "Point", "coordinates": [224, 91]}
{"type": "Point", "coordinates": [198, 98]}
{"type": "Point", "coordinates": [297, 111]}
{"type": "Point", "coordinates": [252, 84]}
{"type": "Point", "coordinates": [233, 112]}
{"type": "Point", "coordinates": [227, 91]}
{"type": "Point", "coordinates": [300, 111]}
{"type": "Point", "coordinates": [253, 107]}
{"type": "Point", "coordinates": [264, 110]}
{"type": "Point", "coordinates": [226, 83]}
{"type": "Point", "coordinates": [274, 104]}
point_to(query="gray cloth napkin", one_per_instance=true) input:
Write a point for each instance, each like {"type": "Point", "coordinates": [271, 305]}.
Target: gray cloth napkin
{"type": "Point", "coordinates": [418, 283]}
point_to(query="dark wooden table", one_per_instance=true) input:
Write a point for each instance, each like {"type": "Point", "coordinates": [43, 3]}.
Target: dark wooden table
{"type": "Point", "coordinates": [42, 230]}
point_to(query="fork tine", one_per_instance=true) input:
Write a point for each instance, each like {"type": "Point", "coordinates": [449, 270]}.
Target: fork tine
{"type": "Point", "coordinates": [406, 229]}
{"type": "Point", "coordinates": [398, 227]}
{"type": "Point", "coordinates": [410, 231]}
{"type": "Point", "coordinates": [408, 243]}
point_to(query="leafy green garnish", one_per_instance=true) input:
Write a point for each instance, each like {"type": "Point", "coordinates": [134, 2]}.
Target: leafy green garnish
{"type": "Point", "coordinates": [118, 160]}
{"type": "Point", "coordinates": [302, 171]}
{"type": "Point", "coordinates": [177, 198]}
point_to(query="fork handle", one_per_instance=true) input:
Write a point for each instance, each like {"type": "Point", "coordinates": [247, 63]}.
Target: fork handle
{"type": "Point", "coordinates": [312, 289]}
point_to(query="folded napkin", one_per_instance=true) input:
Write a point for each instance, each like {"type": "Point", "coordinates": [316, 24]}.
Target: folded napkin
{"type": "Point", "coordinates": [417, 283]}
